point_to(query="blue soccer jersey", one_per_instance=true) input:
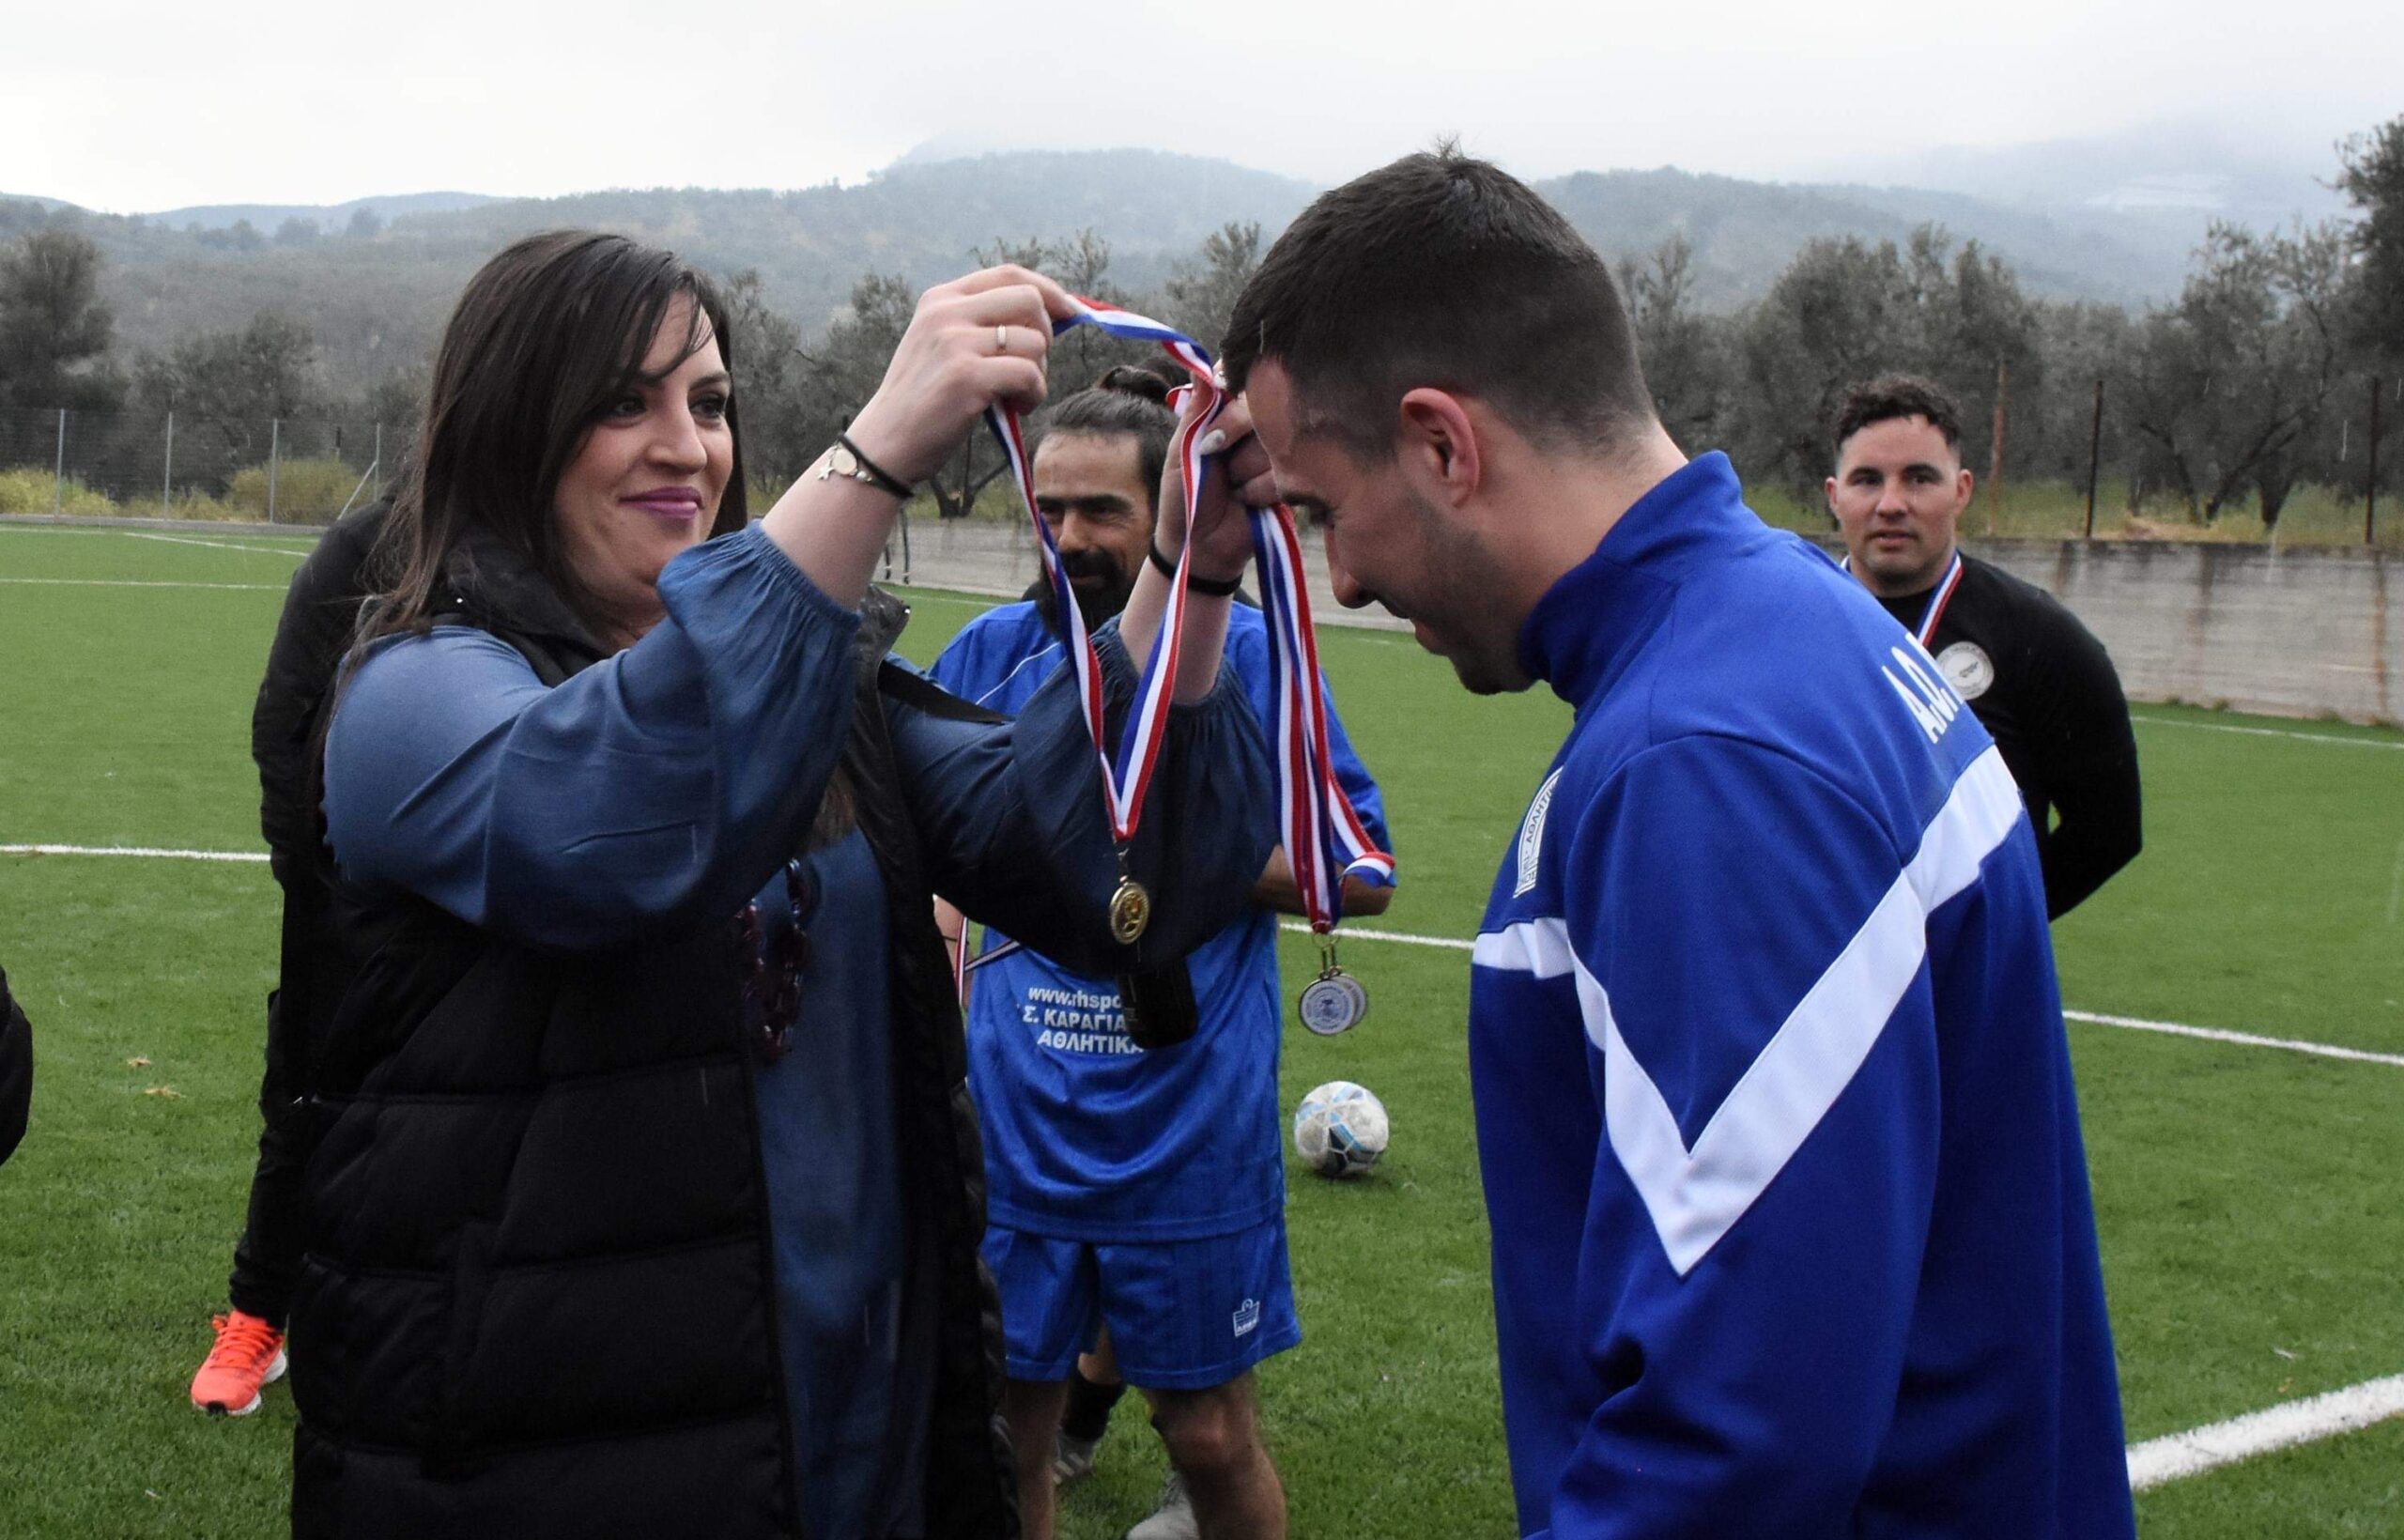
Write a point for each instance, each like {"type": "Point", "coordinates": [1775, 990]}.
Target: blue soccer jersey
{"type": "Point", "coordinates": [1088, 1137]}
{"type": "Point", "coordinates": [1791, 1225]}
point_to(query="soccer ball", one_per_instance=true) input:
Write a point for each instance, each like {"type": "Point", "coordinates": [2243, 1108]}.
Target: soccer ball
{"type": "Point", "coordinates": [1340, 1129]}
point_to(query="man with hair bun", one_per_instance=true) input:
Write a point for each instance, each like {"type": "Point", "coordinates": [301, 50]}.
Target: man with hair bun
{"type": "Point", "coordinates": [2039, 681]}
{"type": "Point", "coordinates": [1790, 1228]}
{"type": "Point", "coordinates": [1134, 1181]}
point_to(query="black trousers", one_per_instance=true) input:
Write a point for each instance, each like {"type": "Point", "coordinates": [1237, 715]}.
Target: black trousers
{"type": "Point", "coordinates": [266, 1258]}
{"type": "Point", "coordinates": [16, 1070]}
{"type": "Point", "coordinates": [316, 971]}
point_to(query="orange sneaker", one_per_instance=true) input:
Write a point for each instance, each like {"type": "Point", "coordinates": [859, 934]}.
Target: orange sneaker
{"type": "Point", "coordinates": [249, 1354]}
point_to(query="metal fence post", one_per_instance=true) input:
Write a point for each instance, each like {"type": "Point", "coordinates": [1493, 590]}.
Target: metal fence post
{"type": "Point", "coordinates": [379, 461]}
{"type": "Point", "coordinates": [2094, 457]}
{"type": "Point", "coordinates": [1995, 452]}
{"type": "Point", "coordinates": [167, 481]}
{"type": "Point", "coordinates": [274, 454]}
{"type": "Point", "coordinates": [58, 472]}
{"type": "Point", "coordinates": [2370, 484]}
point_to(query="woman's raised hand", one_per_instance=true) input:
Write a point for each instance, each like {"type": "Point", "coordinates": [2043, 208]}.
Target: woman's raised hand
{"type": "Point", "coordinates": [1240, 479]}
{"type": "Point", "coordinates": [975, 340]}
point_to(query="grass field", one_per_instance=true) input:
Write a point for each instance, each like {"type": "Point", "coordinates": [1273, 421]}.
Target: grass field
{"type": "Point", "coordinates": [2247, 1197]}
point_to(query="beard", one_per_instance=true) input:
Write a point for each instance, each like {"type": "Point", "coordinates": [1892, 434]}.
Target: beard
{"type": "Point", "coordinates": [1110, 590]}
{"type": "Point", "coordinates": [1108, 594]}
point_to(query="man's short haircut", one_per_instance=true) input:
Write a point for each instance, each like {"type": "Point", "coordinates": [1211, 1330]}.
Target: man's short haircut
{"type": "Point", "coordinates": [1445, 272]}
{"type": "Point", "coordinates": [1891, 397]}
{"type": "Point", "coordinates": [1128, 399]}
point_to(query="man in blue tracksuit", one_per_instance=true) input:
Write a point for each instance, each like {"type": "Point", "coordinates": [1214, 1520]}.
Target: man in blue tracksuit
{"type": "Point", "coordinates": [1791, 1225]}
{"type": "Point", "coordinates": [1141, 1188]}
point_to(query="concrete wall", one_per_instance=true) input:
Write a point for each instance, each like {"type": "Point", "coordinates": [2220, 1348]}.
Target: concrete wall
{"type": "Point", "coordinates": [2289, 633]}
{"type": "Point", "coordinates": [2292, 633]}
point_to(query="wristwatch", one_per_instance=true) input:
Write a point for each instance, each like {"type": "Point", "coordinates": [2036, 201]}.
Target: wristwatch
{"type": "Point", "coordinates": [845, 459]}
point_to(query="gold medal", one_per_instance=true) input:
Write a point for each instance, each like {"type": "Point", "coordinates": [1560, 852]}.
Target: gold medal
{"type": "Point", "coordinates": [1131, 910]}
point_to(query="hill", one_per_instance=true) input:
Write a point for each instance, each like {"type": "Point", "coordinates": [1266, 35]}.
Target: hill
{"type": "Point", "coordinates": [1744, 233]}
{"type": "Point", "coordinates": [375, 296]}
{"type": "Point", "coordinates": [267, 217]}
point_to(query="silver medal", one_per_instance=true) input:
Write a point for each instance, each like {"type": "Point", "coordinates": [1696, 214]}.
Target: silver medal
{"type": "Point", "coordinates": [1333, 1003]}
{"type": "Point", "coordinates": [1967, 668]}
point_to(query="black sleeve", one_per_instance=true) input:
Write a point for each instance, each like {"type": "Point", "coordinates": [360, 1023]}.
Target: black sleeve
{"type": "Point", "coordinates": [2087, 753]}
{"type": "Point", "coordinates": [321, 610]}
{"type": "Point", "coordinates": [16, 1070]}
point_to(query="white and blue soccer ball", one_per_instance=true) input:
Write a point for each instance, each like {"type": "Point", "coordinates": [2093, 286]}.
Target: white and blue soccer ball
{"type": "Point", "coordinates": [1340, 1129]}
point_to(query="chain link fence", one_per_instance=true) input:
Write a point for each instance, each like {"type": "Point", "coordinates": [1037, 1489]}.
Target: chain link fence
{"type": "Point", "coordinates": [187, 466]}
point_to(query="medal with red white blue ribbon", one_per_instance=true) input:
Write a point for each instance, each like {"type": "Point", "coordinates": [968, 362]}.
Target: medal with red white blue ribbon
{"type": "Point", "coordinates": [1925, 632]}
{"type": "Point", "coordinates": [1323, 834]}
{"type": "Point", "coordinates": [1324, 837]}
{"type": "Point", "coordinates": [1933, 611]}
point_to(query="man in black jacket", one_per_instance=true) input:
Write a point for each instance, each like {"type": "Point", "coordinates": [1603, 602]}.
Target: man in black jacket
{"type": "Point", "coordinates": [2038, 681]}
{"type": "Point", "coordinates": [16, 1069]}
{"type": "Point", "coordinates": [319, 611]}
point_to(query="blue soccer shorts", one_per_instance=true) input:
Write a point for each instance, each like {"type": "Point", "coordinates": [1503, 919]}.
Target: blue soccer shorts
{"type": "Point", "coordinates": [1183, 1315]}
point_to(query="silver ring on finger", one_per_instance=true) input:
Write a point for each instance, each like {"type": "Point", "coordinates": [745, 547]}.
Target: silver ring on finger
{"type": "Point", "coordinates": [1001, 338]}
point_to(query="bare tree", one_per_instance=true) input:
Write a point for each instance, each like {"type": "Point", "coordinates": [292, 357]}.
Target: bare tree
{"type": "Point", "coordinates": [770, 384]}
{"type": "Point", "coordinates": [1679, 347]}
{"type": "Point", "coordinates": [1201, 293]}
{"type": "Point", "coordinates": [2232, 381]}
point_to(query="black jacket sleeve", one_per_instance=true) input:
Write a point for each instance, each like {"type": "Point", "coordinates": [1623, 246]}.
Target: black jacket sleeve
{"type": "Point", "coordinates": [321, 610]}
{"type": "Point", "coordinates": [2087, 763]}
{"type": "Point", "coordinates": [16, 1070]}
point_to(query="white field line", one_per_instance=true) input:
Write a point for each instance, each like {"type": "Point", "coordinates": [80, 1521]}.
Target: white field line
{"type": "Point", "coordinates": [2269, 732]}
{"type": "Point", "coordinates": [140, 582]}
{"type": "Point", "coordinates": [2138, 1023]}
{"type": "Point", "coordinates": [219, 544]}
{"type": "Point", "coordinates": [151, 852]}
{"type": "Point", "coordinates": [1355, 932]}
{"type": "Point", "coordinates": [2199, 1450]}
{"type": "Point", "coordinates": [2248, 1039]}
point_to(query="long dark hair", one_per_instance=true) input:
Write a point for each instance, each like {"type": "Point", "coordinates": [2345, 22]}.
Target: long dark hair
{"type": "Point", "coordinates": [545, 337]}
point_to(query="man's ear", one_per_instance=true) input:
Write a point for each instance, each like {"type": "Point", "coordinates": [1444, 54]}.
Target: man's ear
{"type": "Point", "coordinates": [1829, 491]}
{"type": "Point", "coordinates": [1438, 446]}
{"type": "Point", "coordinates": [1964, 483]}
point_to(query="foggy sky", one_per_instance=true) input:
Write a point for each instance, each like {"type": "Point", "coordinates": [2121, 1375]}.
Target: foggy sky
{"type": "Point", "coordinates": [129, 107]}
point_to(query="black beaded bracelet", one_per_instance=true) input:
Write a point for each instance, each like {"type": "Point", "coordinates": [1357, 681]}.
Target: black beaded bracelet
{"type": "Point", "coordinates": [1216, 587]}
{"type": "Point", "coordinates": [884, 480]}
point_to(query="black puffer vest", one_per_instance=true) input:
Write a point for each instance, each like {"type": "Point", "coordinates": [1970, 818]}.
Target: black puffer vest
{"type": "Point", "coordinates": [539, 1299]}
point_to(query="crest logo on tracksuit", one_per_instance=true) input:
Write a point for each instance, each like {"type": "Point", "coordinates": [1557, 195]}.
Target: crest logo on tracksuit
{"type": "Point", "coordinates": [1531, 835]}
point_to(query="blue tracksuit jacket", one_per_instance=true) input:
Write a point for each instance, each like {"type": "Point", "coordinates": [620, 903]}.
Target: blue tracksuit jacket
{"type": "Point", "coordinates": [1791, 1225]}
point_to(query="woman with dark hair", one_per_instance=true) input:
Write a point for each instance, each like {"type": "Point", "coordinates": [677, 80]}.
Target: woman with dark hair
{"type": "Point", "coordinates": [647, 1200]}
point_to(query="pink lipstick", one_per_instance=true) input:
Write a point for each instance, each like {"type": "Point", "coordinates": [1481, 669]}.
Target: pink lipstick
{"type": "Point", "coordinates": [676, 502]}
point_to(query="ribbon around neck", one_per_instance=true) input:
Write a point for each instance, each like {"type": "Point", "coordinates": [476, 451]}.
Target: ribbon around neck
{"type": "Point", "coordinates": [1926, 631]}
{"type": "Point", "coordinates": [1938, 597]}
{"type": "Point", "coordinates": [1324, 837]}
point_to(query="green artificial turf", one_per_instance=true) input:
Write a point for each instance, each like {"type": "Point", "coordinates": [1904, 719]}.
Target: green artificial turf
{"type": "Point", "coordinates": [2244, 1195]}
